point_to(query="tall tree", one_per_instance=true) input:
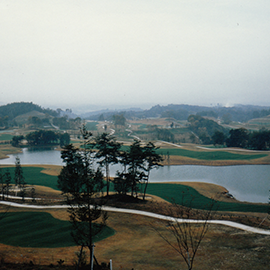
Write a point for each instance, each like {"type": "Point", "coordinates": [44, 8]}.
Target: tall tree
{"type": "Point", "coordinates": [19, 178]}
{"type": "Point", "coordinates": [81, 184]}
{"type": "Point", "coordinates": [218, 138]}
{"type": "Point", "coordinates": [107, 153]}
{"type": "Point", "coordinates": [18, 172]}
{"type": "Point", "coordinates": [152, 160]}
{"type": "Point", "coordinates": [135, 162]}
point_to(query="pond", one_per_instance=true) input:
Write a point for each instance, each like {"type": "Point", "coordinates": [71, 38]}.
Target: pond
{"type": "Point", "coordinates": [39, 155]}
{"type": "Point", "coordinates": [245, 182]}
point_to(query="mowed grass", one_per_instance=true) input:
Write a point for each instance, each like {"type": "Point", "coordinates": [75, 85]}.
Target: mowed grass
{"type": "Point", "coordinates": [34, 176]}
{"type": "Point", "coordinates": [6, 137]}
{"type": "Point", "coordinates": [190, 197]}
{"type": "Point", "coordinates": [39, 229]}
{"type": "Point", "coordinates": [220, 155]}
{"type": "Point", "coordinates": [136, 244]}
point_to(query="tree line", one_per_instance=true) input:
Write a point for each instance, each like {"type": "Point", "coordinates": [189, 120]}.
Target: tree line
{"type": "Point", "coordinates": [41, 138]}
{"type": "Point", "coordinates": [241, 137]}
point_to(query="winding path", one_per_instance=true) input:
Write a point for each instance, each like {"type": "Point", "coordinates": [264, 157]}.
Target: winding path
{"type": "Point", "coordinates": [149, 214]}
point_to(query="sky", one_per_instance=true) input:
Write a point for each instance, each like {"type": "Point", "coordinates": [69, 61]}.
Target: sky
{"type": "Point", "coordinates": [99, 53]}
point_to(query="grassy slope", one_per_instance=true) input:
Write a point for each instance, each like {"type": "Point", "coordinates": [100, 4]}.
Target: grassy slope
{"type": "Point", "coordinates": [39, 229]}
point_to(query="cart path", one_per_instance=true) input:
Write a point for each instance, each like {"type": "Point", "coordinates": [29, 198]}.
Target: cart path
{"type": "Point", "coordinates": [149, 214]}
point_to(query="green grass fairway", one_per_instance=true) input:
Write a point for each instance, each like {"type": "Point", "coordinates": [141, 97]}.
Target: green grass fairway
{"type": "Point", "coordinates": [189, 197]}
{"type": "Point", "coordinates": [203, 155]}
{"type": "Point", "coordinates": [34, 229]}
{"type": "Point", "coordinates": [213, 155]}
{"type": "Point", "coordinates": [6, 137]}
{"type": "Point", "coordinates": [33, 176]}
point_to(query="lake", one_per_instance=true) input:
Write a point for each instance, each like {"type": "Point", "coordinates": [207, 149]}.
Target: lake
{"type": "Point", "coordinates": [245, 182]}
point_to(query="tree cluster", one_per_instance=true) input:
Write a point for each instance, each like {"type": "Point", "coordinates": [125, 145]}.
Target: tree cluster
{"type": "Point", "coordinates": [41, 138]}
{"type": "Point", "coordinates": [137, 163]}
{"type": "Point", "coordinates": [241, 137]}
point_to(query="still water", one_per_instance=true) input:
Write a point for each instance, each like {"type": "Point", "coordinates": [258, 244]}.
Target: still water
{"type": "Point", "coordinates": [35, 156]}
{"type": "Point", "coordinates": [245, 182]}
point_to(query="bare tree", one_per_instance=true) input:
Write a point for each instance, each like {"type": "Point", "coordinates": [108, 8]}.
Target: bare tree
{"type": "Point", "coordinates": [186, 228]}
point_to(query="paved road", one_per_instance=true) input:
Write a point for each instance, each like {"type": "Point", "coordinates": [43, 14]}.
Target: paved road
{"type": "Point", "coordinates": [149, 214]}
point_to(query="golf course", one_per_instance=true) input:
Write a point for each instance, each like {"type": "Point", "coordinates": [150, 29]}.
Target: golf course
{"type": "Point", "coordinates": [43, 236]}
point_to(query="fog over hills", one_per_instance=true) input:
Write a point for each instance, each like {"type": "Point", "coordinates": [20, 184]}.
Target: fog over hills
{"type": "Point", "coordinates": [240, 113]}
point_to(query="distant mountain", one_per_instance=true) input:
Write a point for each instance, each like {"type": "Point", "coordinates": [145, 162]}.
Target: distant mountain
{"type": "Point", "coordinates": [238, 113]}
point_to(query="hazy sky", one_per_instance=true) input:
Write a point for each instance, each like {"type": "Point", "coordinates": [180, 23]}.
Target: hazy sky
{"type": "Point", "coordinates": [134, 52]}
